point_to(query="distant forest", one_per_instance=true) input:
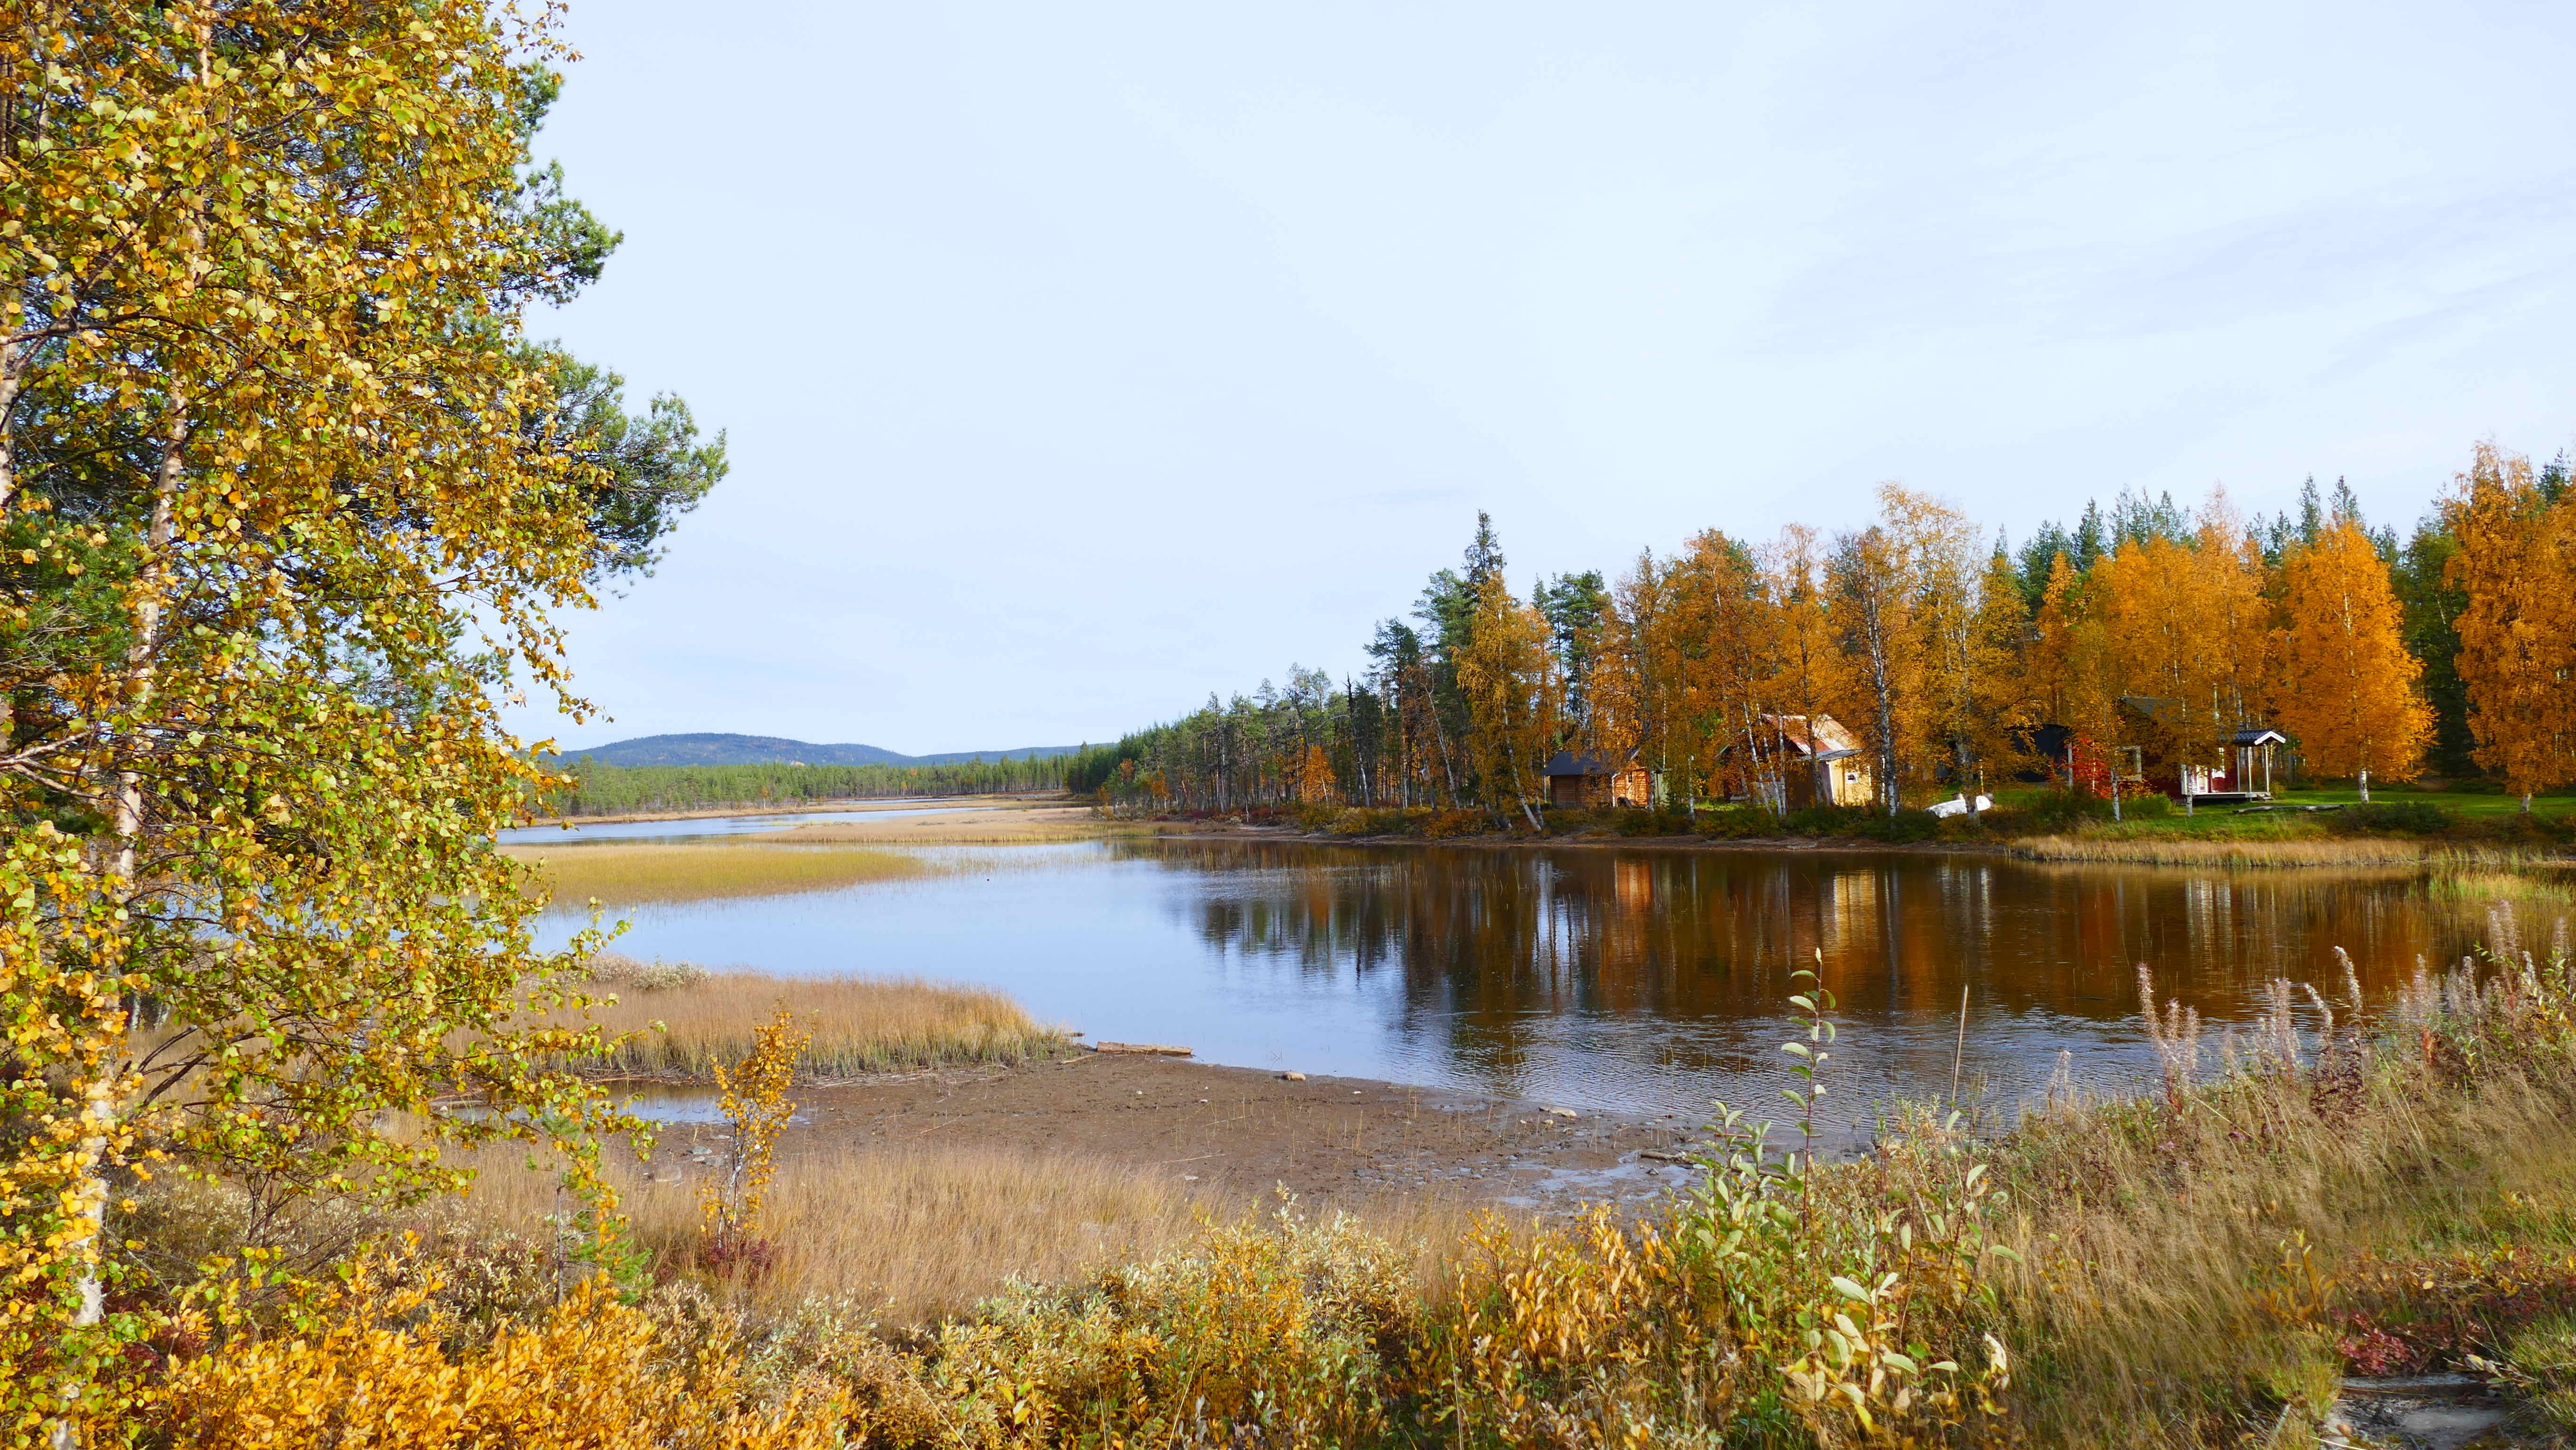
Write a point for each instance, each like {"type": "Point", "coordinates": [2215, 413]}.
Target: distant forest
{"type": "Point", "coordinates": [604, 790]}
{"type": "Point", "coordinates": [1942, 648]}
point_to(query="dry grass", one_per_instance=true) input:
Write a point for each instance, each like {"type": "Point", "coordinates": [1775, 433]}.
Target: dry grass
{"type": "Point", "coordinates": [2232, 853]}
{"type": "Point", "coordinates": [623, 875]}
{"type": "Point", "coordinates": [905, 1235]}
{"type": "Point", "coordinates": [2159, 1292]}
{"type": "Point", "coordinates": [685, 1019]}
{"type": "Point", "coordinates": [909, 1235]}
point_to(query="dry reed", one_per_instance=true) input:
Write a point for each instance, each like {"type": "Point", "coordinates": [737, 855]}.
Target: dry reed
{"type": "Point", "coordinates": [908, 1235]}
{"type": "Point", "coordinates": [620, 874]}
{"type": "Point", "coordinates": [2533, 885]}
{"type": "Point", "coordinates": [2179, 1253]}
{"type": "Point", "coordinates": [680, 1020]}
{"type": "Point", "coordinates": [2232, 853]}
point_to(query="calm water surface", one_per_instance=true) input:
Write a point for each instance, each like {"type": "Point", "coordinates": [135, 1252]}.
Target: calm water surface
{"type": "Point", "coordinates": [1637, 980]}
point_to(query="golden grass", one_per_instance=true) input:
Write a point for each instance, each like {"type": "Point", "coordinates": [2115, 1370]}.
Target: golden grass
{"type": "Point", "coordinates": [2256, 852]}
{"type": "Point", "coordinates": [909, 1235]}
{"type": "Point", "coordinates": [2158, 1289]}
{"type": "Point", "coordinates": [620, 874]}
{"type": "Point", "coordinates": [685, 1019]}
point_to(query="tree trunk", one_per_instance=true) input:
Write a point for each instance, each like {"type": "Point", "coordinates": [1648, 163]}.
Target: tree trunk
{"type": "Point", "coordinates": [101, 1114]}
{"type": "Point", "coordinates": [2365, 786]}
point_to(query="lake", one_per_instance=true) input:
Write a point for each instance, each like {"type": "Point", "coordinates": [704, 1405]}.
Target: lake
{"type": "Point", "coordinates": [1610, 978]}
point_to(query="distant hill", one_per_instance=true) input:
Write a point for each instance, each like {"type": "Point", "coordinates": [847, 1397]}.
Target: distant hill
{"type": "Point", "coordinates": [770, 750]}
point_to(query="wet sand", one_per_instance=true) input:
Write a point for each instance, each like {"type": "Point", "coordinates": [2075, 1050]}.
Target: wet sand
{"type": "Point", "coordinates": [1243, 1132]}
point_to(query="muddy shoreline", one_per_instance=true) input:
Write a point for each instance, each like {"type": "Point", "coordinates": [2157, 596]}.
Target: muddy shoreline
{"type": "Point", "coordinates": [1244, 1133]}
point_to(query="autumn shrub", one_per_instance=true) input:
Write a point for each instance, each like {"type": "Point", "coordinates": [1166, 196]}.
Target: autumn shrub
{"type": "Point", "coordinates": [1864, 823]}
{"type": "Point", "coordinates": [1444, 824]}
{"type": "Point", "coordinates": [2398, 818]}
{"type": "Point", "coordinates": [1667, 821]}
{"type": "Point", "coordinates": [2046, 811]}
{"type": "Point", "coordinates": [1377, 821]}
{"type": "Point", "coordinates": [1278, 1329]}
{"type": "Point", "coordinates": [366, 1363]}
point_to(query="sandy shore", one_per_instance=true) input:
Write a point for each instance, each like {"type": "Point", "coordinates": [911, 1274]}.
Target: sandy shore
{"type": "Point", "coordinates": [1244, 1132]}
{"type": "Point", "coordinates": [1034, 823]}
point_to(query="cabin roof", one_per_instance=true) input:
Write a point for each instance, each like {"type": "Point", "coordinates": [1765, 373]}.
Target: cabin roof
{"type": "Point", "coordinates": [2163, 709]}
{"type": "Point", "coordinates": [2259, 735]}
{"type": "Point", "coordinates": [1822, 738]}
{"type": "Point", "coordinates": [1572, 762]}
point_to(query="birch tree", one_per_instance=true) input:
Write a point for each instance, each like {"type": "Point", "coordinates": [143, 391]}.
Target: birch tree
{"type": "Point", "coordinates": [289, 507]}
{"type": "Point", "coordinates": [2516, 566]}
{"type": "Point", "coordinates": [2349, 691]}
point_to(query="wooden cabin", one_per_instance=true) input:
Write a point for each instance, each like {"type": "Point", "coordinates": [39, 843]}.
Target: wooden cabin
{"type": "Point", "coordinates": [1581, 779]}
{"type": "Point", "coordinates": [1820, 763]}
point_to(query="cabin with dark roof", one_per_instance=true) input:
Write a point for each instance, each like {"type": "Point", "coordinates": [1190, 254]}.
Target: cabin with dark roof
{"type": "Point", "coordinates": [1581, 779]}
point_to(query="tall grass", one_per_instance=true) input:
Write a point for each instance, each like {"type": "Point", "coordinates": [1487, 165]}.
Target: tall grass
{"type": "Point", "coordinates": [2536, 886]}
{"type": "Point", "coordinates": [625, 875]}
{"type": "Point", "coordinates": [681, 1020]}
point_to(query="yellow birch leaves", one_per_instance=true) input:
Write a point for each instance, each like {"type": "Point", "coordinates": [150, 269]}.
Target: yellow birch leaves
{"type": "Point", "coordinates": [2517, 565]}
{"type": "Point", "coordinates": [2348, 686]}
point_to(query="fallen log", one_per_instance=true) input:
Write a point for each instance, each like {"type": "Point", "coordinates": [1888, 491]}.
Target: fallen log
{"type": "Point", "coordinates": [1149, 1049]}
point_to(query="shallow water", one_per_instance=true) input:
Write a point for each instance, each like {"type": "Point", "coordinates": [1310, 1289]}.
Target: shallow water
{"type": "Point", "coordinates": [1636, 980]}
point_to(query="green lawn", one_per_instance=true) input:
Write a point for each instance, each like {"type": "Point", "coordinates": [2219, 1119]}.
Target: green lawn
{"type": "Point", "coordinates": [2142, 818]}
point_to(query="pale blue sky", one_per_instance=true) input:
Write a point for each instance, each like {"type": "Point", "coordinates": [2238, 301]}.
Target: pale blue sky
{"type": "Point", "coordinates": [1079, 360]}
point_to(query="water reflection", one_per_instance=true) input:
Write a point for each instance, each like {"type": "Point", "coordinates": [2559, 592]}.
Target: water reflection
{"type": "Point", "coordinates": [1511, 965]}
{"type": "Point", "coordinates": [1621, 978]}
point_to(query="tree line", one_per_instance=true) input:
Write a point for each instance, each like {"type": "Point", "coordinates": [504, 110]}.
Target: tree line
{"type": "Point", "coordinates": [593, 789]}
{"type": "Point", "coordinates": [1944, 651]}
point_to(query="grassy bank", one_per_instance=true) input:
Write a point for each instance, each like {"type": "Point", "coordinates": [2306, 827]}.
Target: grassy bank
{"type": "Point", "coordinates": [678, 1021]}
{"type": "Point", "coordinates": [2398, 826]}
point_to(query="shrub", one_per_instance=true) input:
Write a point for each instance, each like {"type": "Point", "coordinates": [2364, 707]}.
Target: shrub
{"type": "Point", "coordinates": [2400, 818]}
{"type": "Point", "coordinates": [1859, 823]}
{"type": "Point", "coordinates": [1669, 821]}
{"type": "Point", "coordinates": [1445, 824]}
{"type": "Point", "coordinates": [2044, 812]}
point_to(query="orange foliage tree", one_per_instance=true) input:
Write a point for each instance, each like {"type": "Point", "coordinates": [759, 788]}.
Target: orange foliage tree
{"type": "Point", "coordinates": [2348, 685]}
{"type": "Point", "coordinates": [2517, 566]}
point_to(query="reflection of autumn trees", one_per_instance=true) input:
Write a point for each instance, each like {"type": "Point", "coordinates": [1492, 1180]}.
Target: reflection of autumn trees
{"type": "Point", "coordinates": [1484, 944]}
